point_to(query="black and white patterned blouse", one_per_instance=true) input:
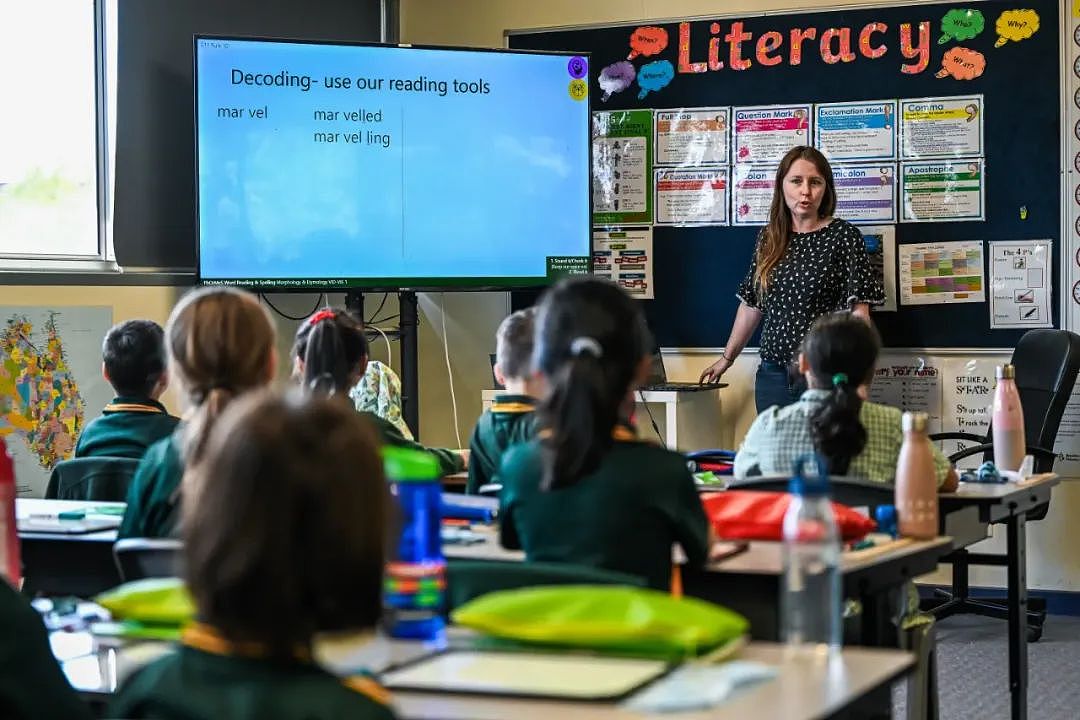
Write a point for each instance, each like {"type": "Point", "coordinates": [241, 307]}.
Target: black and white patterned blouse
{"type": "Point", "coordinates": [822, 271]}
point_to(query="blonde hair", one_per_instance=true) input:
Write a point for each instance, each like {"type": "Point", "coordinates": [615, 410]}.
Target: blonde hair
{"type": "Point", "coordinates": [221, 344]}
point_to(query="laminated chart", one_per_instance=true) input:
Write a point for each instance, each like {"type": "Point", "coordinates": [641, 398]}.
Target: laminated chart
{"type": "Point", "coordinates": [940, 273]}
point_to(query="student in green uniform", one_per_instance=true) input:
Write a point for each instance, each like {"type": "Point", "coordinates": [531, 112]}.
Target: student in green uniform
{"type": "Point", "coordinates": [221, 344]}
{"type": "Point", "coordinates": [510, 419]}
{"type": "Point", "coordinates": [330, 355]}
{"type": "Point", "coordinates": [31, 683]}
{"type": "Point", "coordinates": [133, 362]}
{"type": "Point", "coordinates": [288, 550]}
{"type": "Point", "coordinates": [586, 490]}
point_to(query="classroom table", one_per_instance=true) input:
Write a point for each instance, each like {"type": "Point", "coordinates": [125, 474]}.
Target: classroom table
{"type": "Point", "coordinates": [854, 686]}
{"type": "Point", "coordinates": [65, 564]}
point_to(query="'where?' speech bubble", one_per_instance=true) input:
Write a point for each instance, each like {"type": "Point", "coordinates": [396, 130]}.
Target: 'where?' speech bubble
{"type": "Point", "coordinates": [616, 77]}
{"type": "Point", "coordinates": [654, 76]}
{"type": "Point", "coordinates": [961, 25]}
{"type": "Point", "coordinates": [962, 63]}
{"type": "Point", "coordinates": [1016, 25]}
{"type": "Point", "coordinates": [647, 41]}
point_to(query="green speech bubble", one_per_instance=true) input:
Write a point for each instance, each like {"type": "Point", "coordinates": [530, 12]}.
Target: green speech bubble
{"type": "Point", "coordinates": [961, 25]}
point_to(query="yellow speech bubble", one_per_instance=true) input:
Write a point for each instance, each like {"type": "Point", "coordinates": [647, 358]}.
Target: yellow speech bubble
{"type": "Point", "coordinates": [1016, 25]}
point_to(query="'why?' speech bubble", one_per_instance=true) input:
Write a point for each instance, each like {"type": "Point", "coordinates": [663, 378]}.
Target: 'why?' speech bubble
{"type": "Point", "coordinates": [616, 77]}
{"type": "Point", "coordinates": [961, 25]}
{"type": "Point", "coordinates": [654, 76]}
{"type": "Point", "coordinates": [1016, 25]}
{"type": "Point", "coordinates": [647, 41]}
{"type": "Point", "coordinates": [962, 63]}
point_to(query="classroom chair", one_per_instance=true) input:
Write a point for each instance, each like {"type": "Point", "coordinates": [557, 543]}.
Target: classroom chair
{"type": "Point", "coordinates": [468, 579]}
{"type": "Point", "coordinates": [1047, 363]}
{"type": "Point", "coordinates": [98, 479]}
{"type": "Point", "coordinates": [138, 558]}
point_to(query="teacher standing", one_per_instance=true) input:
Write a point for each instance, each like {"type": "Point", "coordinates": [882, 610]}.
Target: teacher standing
{"type": "Point", "coordinates": [806, 263]}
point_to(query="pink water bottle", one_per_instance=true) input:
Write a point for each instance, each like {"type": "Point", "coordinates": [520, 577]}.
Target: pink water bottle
{"type": "Point", "coordinates": [916, 481]}
{"type": "Point", "coordinates": [10, 558]}
{"type": "Point", "coordinates": [1008, 421]}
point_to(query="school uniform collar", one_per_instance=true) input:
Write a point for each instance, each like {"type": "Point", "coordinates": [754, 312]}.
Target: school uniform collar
{"type": "Point", "coordinates": [815, 395]}
{"type": "Point", "coordinates": [624, 431]}
{"type": "Point", "coordinates": [510, 403]}
{"type": "Point", "coordinates": [123, 403]}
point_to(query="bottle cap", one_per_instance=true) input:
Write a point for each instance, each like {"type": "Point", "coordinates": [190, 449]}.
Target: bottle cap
{"type": "Point", "coordinates": [1006, 371]}
{"type": "Point", "coordinates": [406, 465]}
{"type": "Point", "coordinates": [915, 421]}
{"type": "Point", "coordinates": [814, 485]}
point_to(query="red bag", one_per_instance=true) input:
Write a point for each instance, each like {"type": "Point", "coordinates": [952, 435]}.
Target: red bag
{"type": "Point", "coordinates": [750, 515]}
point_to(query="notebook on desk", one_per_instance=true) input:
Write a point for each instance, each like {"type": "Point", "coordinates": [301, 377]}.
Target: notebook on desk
{"type": "Point", "coordinates": [658, 382]}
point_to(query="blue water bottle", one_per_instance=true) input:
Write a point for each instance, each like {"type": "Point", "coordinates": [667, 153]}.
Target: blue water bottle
{"type": "Point", "coordinates": [415, 580]}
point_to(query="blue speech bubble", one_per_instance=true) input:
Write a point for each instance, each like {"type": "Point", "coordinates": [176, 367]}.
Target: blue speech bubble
{"type": "Point", "coordinates": [654, 76]}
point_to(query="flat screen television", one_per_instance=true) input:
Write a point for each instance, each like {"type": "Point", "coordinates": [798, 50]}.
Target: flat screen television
{"type": "Point", "coordinates": [329, 165]}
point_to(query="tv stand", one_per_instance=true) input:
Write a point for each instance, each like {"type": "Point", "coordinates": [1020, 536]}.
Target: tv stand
{"type": "Point", "coordinates": [406, 333]}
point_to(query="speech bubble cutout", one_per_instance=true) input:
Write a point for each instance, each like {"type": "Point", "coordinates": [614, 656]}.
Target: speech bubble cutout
{"type": "Point", "coordinates": [654, 76]}
{"type": "Point", "coordinates": [961, 25]}
{"type": "Point", "coordinates": [616, 77]}
{"type": "Point", "coordinates": [1016, 25]}
{"type": "Point", "coordinates": [647, 41]}
{"type": "Point", "coordinates": [962, 63]}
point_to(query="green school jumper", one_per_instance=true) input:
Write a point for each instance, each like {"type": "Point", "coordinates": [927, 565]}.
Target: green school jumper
{"type": "Point", "coordinates": [125, 428]}
{"type": "Point", "coordinates": [204, 680]}
{"type": "Point", "coordinates": [449, 461]}
{"type": "Point", "coordinates": [32, 685]}
{"type": "Point", "coordinates": [153, 500]}
{"type": "Point", "coordinates": [625, 516]}
{"type": "Point", "coordinates": [509, 421]}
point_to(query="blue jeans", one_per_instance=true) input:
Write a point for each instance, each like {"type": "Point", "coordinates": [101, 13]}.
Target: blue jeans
{"type": "Point", "coordinates": [773, 385]}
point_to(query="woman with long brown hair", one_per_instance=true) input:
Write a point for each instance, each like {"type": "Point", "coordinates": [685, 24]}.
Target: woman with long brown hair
{"type": "Point", "coordinates": [806, 263]}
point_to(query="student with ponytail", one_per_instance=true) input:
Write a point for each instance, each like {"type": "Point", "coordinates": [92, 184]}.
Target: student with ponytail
{"type": "Point", "coordinates": [856, 437]}
{"type": "Point", "coordinates": [330, 354]}
{"type": "Point", "coordinates": [586, 490]}
{"type": "Point", "coordinates": [221, 344]}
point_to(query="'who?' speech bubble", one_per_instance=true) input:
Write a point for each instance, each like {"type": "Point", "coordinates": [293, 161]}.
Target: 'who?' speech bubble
{"type": "Point", "coordinates": [1016, 25]}
{"type": "Point", "coordinates": [962, 63]}
{"type": "Point", "coordinates": [654, 76]}
{"type": "Point", "coordinates": [647, 41]}
{"type": "Point", "coordinates": [616, 77]}
{"type": "Point", "coordinates": [961, 25]}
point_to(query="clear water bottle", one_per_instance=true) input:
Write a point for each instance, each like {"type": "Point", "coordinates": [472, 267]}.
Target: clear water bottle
{"type": "Point", "coordinates": [810, 601]}
{"type": "Point", "coordinates": [414, 584]}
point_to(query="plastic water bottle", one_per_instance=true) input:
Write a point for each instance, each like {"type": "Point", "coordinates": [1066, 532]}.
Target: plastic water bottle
{"type": "Point", "coordinates": [10, 558]}
{"type": "Point", "coordinates": [1008, 421]}
{"type": "Point", "coordinates": [414, 584]}
{"type": "Point", "coordinates": [810, 601]}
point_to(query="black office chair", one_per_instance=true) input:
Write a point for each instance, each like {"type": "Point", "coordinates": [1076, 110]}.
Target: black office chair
{"type": "Point", "coordinates": [98, 479]}
{"type": "Point", "coordinates": [1047, 363]}
{"type": "Point", "coordinates": [138, 558]}
{"type": "Point", "coordinates": [851, 491]}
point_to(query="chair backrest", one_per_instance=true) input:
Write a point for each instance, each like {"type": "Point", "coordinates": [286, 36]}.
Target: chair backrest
{"type": "Point", "coordinates": [138, 558]}
{"type": "Point", "coordinates": [468, 579]}
{"type": "Point", "coordinates": [98, 479]}
{"type": "Point", "coordinates": [853, 492]}
{"type": "Point", "coordinates": [1047, 362]}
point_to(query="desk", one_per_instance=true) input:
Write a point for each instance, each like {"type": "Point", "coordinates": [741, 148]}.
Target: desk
{"type": "Point", "coordinates": [801, 691]}
{"type": "Point", "coordinates": [688, 420]}
{"type": "Point", "coordinates": [63, 564]}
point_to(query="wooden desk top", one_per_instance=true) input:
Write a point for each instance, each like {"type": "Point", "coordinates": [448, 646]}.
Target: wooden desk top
{"type": "Point", "coordinates": [999, 492]}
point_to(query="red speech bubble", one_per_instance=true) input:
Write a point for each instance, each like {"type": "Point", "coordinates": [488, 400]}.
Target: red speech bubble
{"type": "Point", "coordinates": [962, 63]}
{"type": "Point", "coordinates": [647, 41]}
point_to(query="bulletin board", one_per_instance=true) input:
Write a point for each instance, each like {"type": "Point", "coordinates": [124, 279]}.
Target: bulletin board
{"type": "Point", "coordinates": [998, 62]}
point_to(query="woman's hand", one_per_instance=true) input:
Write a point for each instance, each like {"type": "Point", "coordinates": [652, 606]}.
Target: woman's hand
{"type": "Point", "coordinates": [715, 371]}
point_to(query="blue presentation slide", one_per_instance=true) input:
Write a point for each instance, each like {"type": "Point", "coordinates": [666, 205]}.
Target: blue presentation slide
{"type": "Point", "coordinates": [351, 164]}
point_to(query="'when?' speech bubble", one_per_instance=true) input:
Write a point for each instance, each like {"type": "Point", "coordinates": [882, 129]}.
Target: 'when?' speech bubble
{"type": "Point", "coordinates": [961, 25]}
{"type": "Point", "coordinates": [648, 41]}
{"type": "Point", "coordinates": [1016, 25]}
{"type": "Point", "coordinates": [654, 76]}
{"type": "Point", "coordinates": [616, 77]}
{"type": "Point", "coordinates": [962, 63]}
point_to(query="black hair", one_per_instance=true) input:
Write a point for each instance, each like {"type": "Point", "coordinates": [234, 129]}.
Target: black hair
{"type": "Point", "coordinates": [134, 356]}
{"type": "Point", "coordinates": [841, 350]}
{"type": "Point", "coordinates": [332, 345]}
{"type": "Point", "coordinates": [590, 340]}
{"type": "Point", "coordinates": [514, 343]}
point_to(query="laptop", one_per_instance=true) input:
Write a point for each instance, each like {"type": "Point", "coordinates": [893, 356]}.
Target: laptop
{"type": "Point", "coordinates": [657, 380]}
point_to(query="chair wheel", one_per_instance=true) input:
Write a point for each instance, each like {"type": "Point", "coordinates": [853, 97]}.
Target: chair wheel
{"type": "Point", "coordinates": [1034, 633]}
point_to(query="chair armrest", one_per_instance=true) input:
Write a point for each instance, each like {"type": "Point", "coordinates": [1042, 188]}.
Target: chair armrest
{"type": "Point", "coordinates": [958, 436]}
{"type": "Point", "coordinates": [986, 447]}
{"type": "Point", "coordinates": [849, 491]}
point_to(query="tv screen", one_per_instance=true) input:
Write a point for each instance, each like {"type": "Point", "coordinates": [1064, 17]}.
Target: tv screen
{"type": "Point", "coordinates": [326, 166]}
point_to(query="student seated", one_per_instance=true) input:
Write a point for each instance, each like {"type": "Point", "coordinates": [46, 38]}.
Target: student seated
{"type": "Point", "coordinates": [133, 362]}
{"type": "Point", "coordinates": [330, 355]}
{"type": "Point", "coordinates": [32, 685]}
{"type": "Point", "coordinates": [510, 418]}
{"type": "Point", "coordinates": [857, 437]}
{"type": "Point", "coordinates": [221, 344]}
{"type": "Point", "coordinates": [285, 532]}
{"type": "Point", "coordinates": [586, 490]}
